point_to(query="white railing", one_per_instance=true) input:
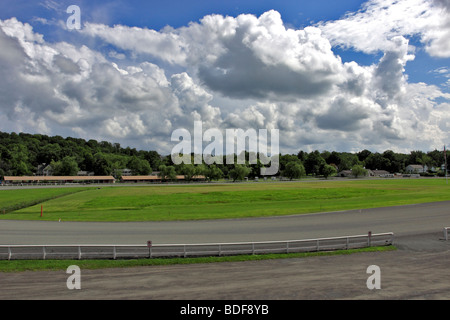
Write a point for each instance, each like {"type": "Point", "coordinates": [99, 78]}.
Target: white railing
{"type": "Point", "coordinates": [79, 252]}
{"type": "Point", "coordinates": [446, 233]}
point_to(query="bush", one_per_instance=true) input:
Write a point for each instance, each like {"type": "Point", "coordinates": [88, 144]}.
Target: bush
{"type": "Point", "coordinates": [358, 170]}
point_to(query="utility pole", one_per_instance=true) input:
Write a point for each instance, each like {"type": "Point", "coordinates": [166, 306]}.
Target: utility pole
{"type": "Point", "coordinates": [445, 159]}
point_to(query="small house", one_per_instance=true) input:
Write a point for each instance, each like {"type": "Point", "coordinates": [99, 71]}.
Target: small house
{"type": "Point", "coordinates": [415, 168]}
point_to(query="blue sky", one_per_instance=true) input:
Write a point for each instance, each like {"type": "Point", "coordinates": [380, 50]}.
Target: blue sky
{"type": "Point", "coordinates": [158, 14]}
{"type": "Point", "coordinates": [370, 74]}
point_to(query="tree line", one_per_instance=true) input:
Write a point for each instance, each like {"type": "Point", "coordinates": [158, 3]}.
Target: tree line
{"type": "Point", "coordinates": [21, 154]}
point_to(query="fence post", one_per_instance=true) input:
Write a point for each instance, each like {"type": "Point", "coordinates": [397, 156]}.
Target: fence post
{"type": "Point", "coordinates": [149, 246]}
{"type": "Point", "coordinates": [281, 246]}
{"type": "Point", "coordinates": [446, 234]}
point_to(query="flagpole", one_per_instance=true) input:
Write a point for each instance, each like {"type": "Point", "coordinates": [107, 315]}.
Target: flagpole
{"type": "Point", "coordinates": [445, 158]}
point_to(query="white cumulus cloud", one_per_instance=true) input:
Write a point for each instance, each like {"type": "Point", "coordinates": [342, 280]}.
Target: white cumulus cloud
{"type": "Point", "coordinates": [233, 72]}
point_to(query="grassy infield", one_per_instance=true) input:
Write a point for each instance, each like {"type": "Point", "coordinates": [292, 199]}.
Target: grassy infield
{"type": "Point", "coordinates": [209, 201]}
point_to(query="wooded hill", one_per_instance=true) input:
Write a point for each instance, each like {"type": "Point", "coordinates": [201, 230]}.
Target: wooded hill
{"type": "Point", "coordinates": [21, 154]}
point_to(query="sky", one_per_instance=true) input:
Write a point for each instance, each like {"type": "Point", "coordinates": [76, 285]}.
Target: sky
{"type": "Point", "coordinates": [329, 75]}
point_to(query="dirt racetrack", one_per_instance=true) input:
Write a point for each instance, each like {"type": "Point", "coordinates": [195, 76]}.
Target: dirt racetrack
{"type": "Point", "coordinates": [419, 269]}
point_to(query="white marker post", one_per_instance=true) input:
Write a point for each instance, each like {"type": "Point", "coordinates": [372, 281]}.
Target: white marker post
{"type": "Point", "coordinates": [149, 246]}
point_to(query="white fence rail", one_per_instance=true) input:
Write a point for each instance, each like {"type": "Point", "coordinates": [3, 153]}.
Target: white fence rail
{"type": "Point", "coordinates": [42, 252]}
{"type": "Point", "coordinates": [446, 233]}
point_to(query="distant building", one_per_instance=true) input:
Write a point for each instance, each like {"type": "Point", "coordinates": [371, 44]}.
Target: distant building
{"type": "Point", "coordinates": [44, 170]}
{"type": "Point", "coordinates": [345, 173]}
{"type": "Point", "coordinates": [48, 171]}
{"type": "Point", "coordinates": [418, 168]}
{"type": "Point", "coordinates": [415, 168]}
{"type": "Point", "coordinates": [122, 172]}
{"type": "Point", "coordinates": [349, 173]}
{"type": "Point", "coordinates": [152, 178]}
{"type": "Point", "coordinates": [125, 172]}
{"type": "Point", "coordinates": [85, 173]}
{"type": "Point", "coordinates": [40, 169]}
{"type": "Point", "coordinates": [379, 173]}
{"type": "Point", "coordinates": [140, 179]}
{"type": "Point", "coordinates": [59, 179]}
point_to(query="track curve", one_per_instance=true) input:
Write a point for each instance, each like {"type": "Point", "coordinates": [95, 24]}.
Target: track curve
{"type": "Point", "coordinates": [402, 220]}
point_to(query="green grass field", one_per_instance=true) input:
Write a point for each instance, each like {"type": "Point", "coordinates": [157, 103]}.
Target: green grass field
{"type": "Point", "coordinates": [215, 201]}
{"type": "Point", "coordinates": [15, 199]}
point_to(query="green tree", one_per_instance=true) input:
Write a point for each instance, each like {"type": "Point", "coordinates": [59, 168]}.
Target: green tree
{"type": "Point", "coordinates": [325, 155]}
{"type": "Point", "coordinates": [66, 167]}
{"type": "Point", "coordinates": [116, 168]}
{"type": "Point", "coordinates": [425, 160]}
{"type": "Point", "coordinates": [239, 172]}
{"type": "Point", "coordinates": [314, 163]}
{"type": "Point", "coordinates": [328, 171]}
{"type": "Point", "coordinates": [167, 172]}
{"type": "Point", "coordinates": [19, 164]}
{"type": "Point", "coordinates": [294, 170]}
{"type": "Point", "coordinates": [415, 157]}
{"type": "Point", "coordinates": [87, 162]}
{"type": "Point", "coordinates": [102, 165]}
{"type": "Point", "coordinates": [437, 157]}
{"type": "Point", "coordinates": [154, 159]}
{"type": "Point", "coordinates": [358, 170]}
{"type": "Point", "coordinates": [362, 155]}
{"type": "Point", "coordinates": [188, 170]}
{"type": "Point", "coordinates": [377, 161]}
{"type": "Point", "coordinates": [20, 169]}
{"type": "Point", "coordinates": [301, 155]}
{"type": "Point", "coordinates": [139, 166]}
{"type": "Point", "coordinates": [49, 152]}
{"type": "Point", "coordinates": [396, 161]}
{"type": "Point", "coordinates": [214, 173]}
{"type": "Point", "coordinates": [287, 158]}
{"type": "Point", "coordinates": [256, 168]}
{"type": "Point", "coordinates": [201, 170]}
{"type": "Point", "coordinates": [347, 161]}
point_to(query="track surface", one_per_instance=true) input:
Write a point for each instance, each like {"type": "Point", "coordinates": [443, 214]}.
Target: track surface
{"type": "Point", "coordinates": [419, 269]}
{"type": "Point", "coordinates": [403, 220]}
